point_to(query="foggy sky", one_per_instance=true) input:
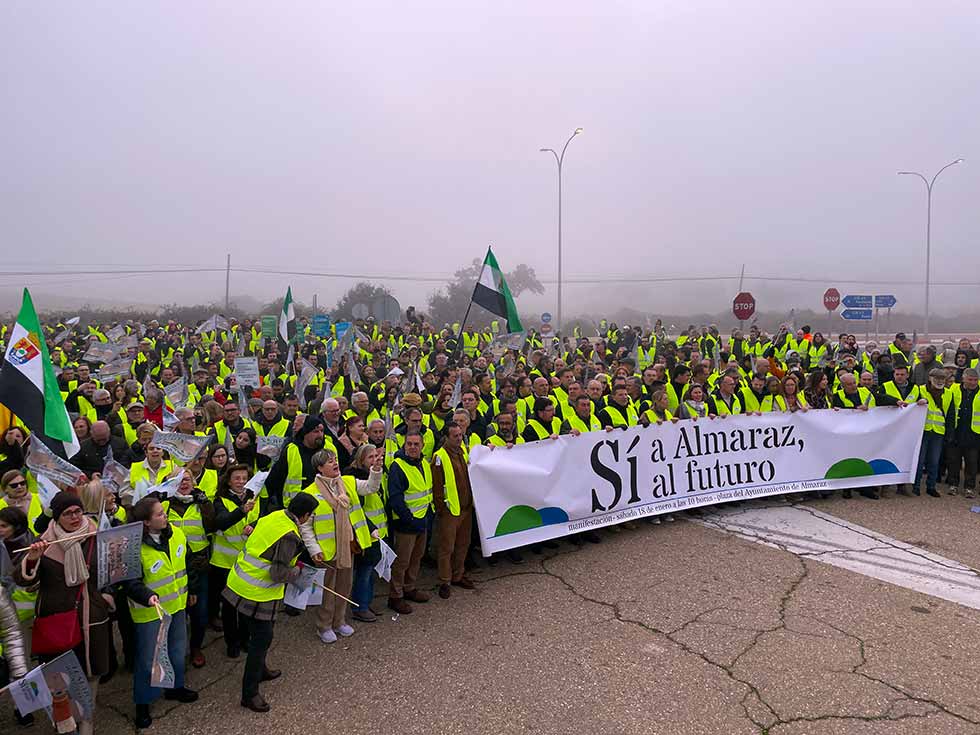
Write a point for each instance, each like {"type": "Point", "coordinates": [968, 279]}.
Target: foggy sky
{"type": "Point", "coordinates": [402, 138]}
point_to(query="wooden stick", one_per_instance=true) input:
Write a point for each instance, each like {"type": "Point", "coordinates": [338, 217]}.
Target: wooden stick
{"type": "Point", "coordinates": [61, 540]}
{"type": "Point", "coordinates": [327, 589]}
{"type": "Point", "coordinates": [159, 610]}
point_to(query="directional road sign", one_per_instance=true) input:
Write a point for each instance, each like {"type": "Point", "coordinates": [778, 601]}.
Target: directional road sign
{"type": "Point", "coordinates": [858, 302]}
{"type": "Point", "coordinates": [857, 315]}
{"type": "Point", "coordinates": [885, 301]}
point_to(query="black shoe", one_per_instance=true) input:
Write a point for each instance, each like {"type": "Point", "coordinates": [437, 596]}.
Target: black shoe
{"type": "Point", "coordinates": [256, 704]}
{"type": "Point", "coordinates": [515, 557]}
{"type": "Point", "coordinates": [183, 694]}
{"type": "Point", "coordinates": [846, 494]}
{"type": "Point", "coordinates": [576, 540]}
{"type": "Point", "coordinates": [492, 561]}
{"type": "Point", "coordinates": [292, 611]}
{"type": "Point", "coordinates": [24, 720]}
{"type": "Point", "coordinates": [551, 544]}
{"type": "Point", "coordinates": [233, 651]}
{"type": "Point", "coordinates": [270, 675]}
{"type": "Point", "coordinates": [142, 719]}
{"type": "Point", "coordinates": [869, 494]}
{"type": "Point", "coordinates": [932, 493]}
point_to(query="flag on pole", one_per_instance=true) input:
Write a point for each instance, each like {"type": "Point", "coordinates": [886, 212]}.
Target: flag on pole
{"type": "Point", "coordinates": [492, 294]}
{"type": "Point", "coordinates": [287, 320]}
{"type": "Point", "coordinates": [28, 386]}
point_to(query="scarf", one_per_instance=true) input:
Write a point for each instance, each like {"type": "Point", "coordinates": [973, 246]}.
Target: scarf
{"type": "Point", "coordinates": [76, 570]}
{"type": "Point", "coordinates": [333, 491]}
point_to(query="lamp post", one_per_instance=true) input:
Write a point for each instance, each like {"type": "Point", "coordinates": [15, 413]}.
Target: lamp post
{"type": "Point", "coordinates": [559, 159]}
{"type": "Point", "coordinates": [929, 185]}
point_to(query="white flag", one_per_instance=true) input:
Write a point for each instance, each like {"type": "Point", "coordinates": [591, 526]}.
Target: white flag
{"type": "Point", "coordinates": [388, 556]}
{"type": "Point", "coordinates": [31, 693]}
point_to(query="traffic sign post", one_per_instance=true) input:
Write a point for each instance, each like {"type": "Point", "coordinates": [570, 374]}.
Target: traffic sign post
{"type": "Point", "coordinates": [831, 300]}
{"type": "Point", "coordinates": [885, 301]}
{"type": "Point", "coordinates": [743, 306]}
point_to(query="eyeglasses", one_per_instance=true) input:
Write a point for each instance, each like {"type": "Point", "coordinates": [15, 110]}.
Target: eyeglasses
{"type": "Point", "coordinates": [73, 513]}
{"type": "Point", "coordinates": [22, 483]}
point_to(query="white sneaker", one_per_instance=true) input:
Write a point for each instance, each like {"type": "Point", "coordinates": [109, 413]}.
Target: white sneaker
{"type": "Point", "coordinates": [669, 518]}
{"type": "Point", "coordinates": [328, 636]}
{"type": "Point", "coordinates": [655, 520]}
{"type": "Point", "coordinates": [345, 630]}
{"type": "Point", "coordinates": [953, 490]}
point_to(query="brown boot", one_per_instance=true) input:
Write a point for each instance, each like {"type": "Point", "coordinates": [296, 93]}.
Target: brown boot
{"type": "Point", "coordinates": [417, 596]}
{"type": "Point", "coordinates": [399, 605]}
{"type": "Point", "coordinates": [465, 582]}
{"type": "Point", "coordinates": [444, 591]}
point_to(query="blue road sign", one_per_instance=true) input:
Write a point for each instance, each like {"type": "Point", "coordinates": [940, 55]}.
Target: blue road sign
{"type": "Point", "coordinates": [545, 318]}
{"type": "Point", "coordinates": [857, 315]}
{"type": "Point", "coordinates": [885, 301]}
{"type": "Point", "coordinates": [857, 302]}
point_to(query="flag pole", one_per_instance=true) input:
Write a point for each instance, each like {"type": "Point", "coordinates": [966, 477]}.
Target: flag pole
{"type": "Point", "coordinates": [462, 326]}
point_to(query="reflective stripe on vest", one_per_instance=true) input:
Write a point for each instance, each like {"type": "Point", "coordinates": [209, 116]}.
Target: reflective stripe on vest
{"type": "Point", "coordinates": [936, 415]}
{"type": "Point", "coordinates": [251, 576]}
{"type": "Point", "coordinates": [229, 543]}
{"type": "Point", "coordinates": [975, 417]}
{"type": "Point", "coordinates": [418, 496]}
{"type": "Point", "coordinates": [166, 575]}
{"type": "Point", "coordinates": [324, 528]}
{"type": "Point", "coordinates": [451, 492]}
{"type": "Point", "coordinates": [191, 523]}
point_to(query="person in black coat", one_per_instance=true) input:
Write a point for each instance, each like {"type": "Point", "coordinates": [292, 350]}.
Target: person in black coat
{"type": "Point", "coordinates": [94, 451]}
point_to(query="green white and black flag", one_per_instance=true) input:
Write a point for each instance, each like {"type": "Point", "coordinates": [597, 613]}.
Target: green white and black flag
{"type": "Point", "coordinates": [287, 320]}
{"type": "Point", "coordinates": [28, 386]}
{"type": "Point", "coordinates": [492, 294]}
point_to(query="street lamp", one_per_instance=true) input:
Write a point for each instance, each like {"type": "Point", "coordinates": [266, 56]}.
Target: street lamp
{"type": "Point", "coordinates": [559, 158]}
{"type": "Point", "coordinates": [929, 185]}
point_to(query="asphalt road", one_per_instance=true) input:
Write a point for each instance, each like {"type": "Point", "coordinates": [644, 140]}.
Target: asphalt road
{"type": "Point", "coordinates": [678, 628]}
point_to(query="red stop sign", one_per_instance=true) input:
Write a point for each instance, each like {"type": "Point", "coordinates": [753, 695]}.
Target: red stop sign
{"type": "Point", "coordinates": [743, 307]}
{"type": "Point", "coordinates": [831, 299]}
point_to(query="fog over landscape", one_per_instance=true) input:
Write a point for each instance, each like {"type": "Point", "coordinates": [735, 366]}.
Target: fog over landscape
{"type": "Point", "coordinates": [385, 140]}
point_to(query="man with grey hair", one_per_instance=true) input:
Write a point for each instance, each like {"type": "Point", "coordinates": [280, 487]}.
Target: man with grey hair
{"type": "Point", "coordinates": [360, 405]}
{"type": "Point", "coordinates": [963, 451]}
{"type": "Point", "coordinates": [330, 413]}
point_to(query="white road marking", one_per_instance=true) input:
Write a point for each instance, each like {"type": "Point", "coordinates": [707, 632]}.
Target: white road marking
{"type": "Point", "coordinates": [816, 535]}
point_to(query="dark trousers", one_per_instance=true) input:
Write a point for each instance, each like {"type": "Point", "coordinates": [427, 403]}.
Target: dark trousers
{"type": "Point", "coordinates": [198, 614]}
{"type": "Point", "coordinates": [929, 455]}
{"type": "Point", "coordinates": [965, 458]}
{"type": "Point", "coordinates": [259, 640]}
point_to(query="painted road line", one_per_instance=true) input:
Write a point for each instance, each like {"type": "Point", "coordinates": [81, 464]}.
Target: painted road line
{"type": "Point", "coordinates": [813, 534]}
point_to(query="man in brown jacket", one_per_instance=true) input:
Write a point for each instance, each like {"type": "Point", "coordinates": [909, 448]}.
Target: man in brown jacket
{"type": "Point", "coordinates": [454, 508]}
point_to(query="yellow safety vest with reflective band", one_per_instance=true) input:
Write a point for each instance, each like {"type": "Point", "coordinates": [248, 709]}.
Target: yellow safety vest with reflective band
{"type": "Point", "coordinates": [229, 543]}
{"type": "Point", "coordinates": [957, 401]}
{"type": "Point", "coordinates": [418, 496]}
{"type": "Point", "coordinates": [891, 389]}
{"type": "Point", "coordinates": [936, 416]}
{"type": "Point", "coordinates": [576, 423]}
{"type": "Point", "coordinates": [294, 474]}
{"type": "Point", "coordinates": [374, 511]}
{"type": "Point", "coordinates": [191, 523]}
{"type": "Point", "coordinates": [497, 441]}
{"type": "Point", "coordinates": [166, 575]}
{"type": "Point", "coordinates": [251, 575]}
{"type": "Point", "coordinates": [323, 518]}
{"type": "Point", "coordinates": [541, 430]}
{"type": "Point", "coordinates": [451, 492]}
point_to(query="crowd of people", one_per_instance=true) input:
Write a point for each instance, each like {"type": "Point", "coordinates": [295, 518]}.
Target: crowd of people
{"type": "Point", "coordinates": [374, 428]}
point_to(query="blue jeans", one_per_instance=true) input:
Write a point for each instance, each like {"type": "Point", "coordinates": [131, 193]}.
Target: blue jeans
{"type": "Point", "coordinates": [929, 455]}
{"type": "Point", "coordinates": [362, 590]}
{"type": "Point", "coordinates": [146, 640]}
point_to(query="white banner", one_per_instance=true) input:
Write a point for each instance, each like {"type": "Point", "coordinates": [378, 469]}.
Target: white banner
{"type": "Point", "coordinates": [247, 373]}
{"type": "Point", "coordinates": [552, 488]}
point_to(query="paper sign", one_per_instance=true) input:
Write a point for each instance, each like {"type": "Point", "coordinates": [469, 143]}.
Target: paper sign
{"type": "Point", "coordinates": [388, 556]}
{"type": "Point", "coordinates": [71, 696]}
{"type": "Point", "coordinates": [300, 592]}
{"type": "Point", "coordinates": [42, 461]}
{"type": "Point", "coordinates": [162, 671]}
{"type": "Point", "coordinates": [270, 446]}
{"type": "Point", "coordinates": [270, 326]}
{"type": "Point", "coordinates": [247, 372]}
{"type": "Point", "coordinates": [256, 482]}
{"type": "Point", "coordinates": [182, 447]}
{"type": "Point", "coordinates": [118, 554]}
{"type": "Point", "coordinates": [31, 693]}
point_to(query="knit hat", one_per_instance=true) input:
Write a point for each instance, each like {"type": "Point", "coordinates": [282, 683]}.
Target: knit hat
{"type": "Point", "coordinates": [62, 502]}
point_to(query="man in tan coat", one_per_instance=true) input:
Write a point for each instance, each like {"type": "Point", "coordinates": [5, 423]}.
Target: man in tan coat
{"type": "Point", "coordinates": [454, 508]}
